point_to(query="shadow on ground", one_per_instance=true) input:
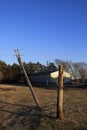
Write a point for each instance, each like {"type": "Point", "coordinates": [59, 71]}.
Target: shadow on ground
{"type": "Point", "coordinates": [20, 117]}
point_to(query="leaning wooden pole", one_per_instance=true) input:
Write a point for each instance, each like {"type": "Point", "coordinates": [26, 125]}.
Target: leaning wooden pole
{"type": "Point", "coordinates": [27, 77]}
{"type": "Point", "coordinates": [60, 94]}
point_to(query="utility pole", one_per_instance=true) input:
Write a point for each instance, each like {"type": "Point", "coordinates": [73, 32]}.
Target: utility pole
{"type": "Point", "coordinates": [26, 77]}
{"type": "Point", "coordinates": [60, 94]}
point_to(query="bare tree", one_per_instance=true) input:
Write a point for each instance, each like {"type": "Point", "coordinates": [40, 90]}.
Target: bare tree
{"type": "Point", "coordinates": [74, 70]}
{"type": "Point", "coordinates": [77, 70]}
{"type": "Point", "coordinates": [66, 64]}
{"type": "Point", "coordinates": [83, 70]}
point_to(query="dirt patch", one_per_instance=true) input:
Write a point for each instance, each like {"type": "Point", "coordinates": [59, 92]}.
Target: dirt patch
{"type": "Point", "coordinates": [7, 89]}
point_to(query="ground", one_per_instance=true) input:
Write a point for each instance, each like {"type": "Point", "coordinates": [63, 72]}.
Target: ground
{"type": "Point", "coordinates": [19, 112]}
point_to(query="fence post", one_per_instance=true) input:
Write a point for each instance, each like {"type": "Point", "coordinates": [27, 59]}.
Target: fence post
{"type": "Point", "coordinates": [60, 94]}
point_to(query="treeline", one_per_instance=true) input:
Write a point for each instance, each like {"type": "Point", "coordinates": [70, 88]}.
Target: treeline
{"type": "Point", "coordinates": [78, 70]}
{"type": "Point", "coordinates": [13, 73]}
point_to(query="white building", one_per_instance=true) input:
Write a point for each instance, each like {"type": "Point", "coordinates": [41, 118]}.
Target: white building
{"type": "Point", "coordinates": [49, 78]}
{"type": "Point", "coordinates": [54, 76]}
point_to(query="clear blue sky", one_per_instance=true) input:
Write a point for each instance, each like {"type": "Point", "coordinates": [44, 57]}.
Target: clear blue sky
{"type": "Point", "coordinates": [44, 30]}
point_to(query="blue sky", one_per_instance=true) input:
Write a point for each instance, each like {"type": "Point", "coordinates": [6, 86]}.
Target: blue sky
{"type": "Point", "coordinates": [43, 30]}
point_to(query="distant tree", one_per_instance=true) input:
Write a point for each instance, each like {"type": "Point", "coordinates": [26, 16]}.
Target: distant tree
{"type": "Point", "coordinates": [66, 64]}
{"type": "Point", "coordinates": [14, 72]}
{"type": "Point", "coordinates": [74, 70]}
{"type": "Point", "coordinates": [58, 62]}
{"type": "Point", "coordinates": [33, 68]}
{"type": "Point", "coordinates": [37, 67]}
{"type": "Point", "coordinates": [51, 66]}
{"type": "Point", "coordinates": [29, 67]}
{"type": "Point", "coordinates": [77, 70]}
{"type": "Point", "coordinates": [82, 70]}
{"type": "Point", "coordinates": [4, 69]}
{"type": "Point", "coordinates": [1, 75]}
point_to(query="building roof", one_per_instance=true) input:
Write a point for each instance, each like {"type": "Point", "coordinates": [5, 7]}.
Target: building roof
{"type": "Point", "coordinates": [56, 74]}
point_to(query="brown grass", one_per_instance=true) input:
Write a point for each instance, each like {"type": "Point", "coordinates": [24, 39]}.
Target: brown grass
{"type": "Point", "coordinates": [19, 112]}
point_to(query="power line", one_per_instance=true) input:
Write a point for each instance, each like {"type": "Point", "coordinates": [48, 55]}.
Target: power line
{"type": "Point", "coordinates": [6, 55]}
{"type": "Point", "coordinates": [10, 55]}
{"type": "Point", "coordinates": [10, 49]}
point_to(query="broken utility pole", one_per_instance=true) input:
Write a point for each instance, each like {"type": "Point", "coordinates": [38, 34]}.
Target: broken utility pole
{"type": "Point", "coordinates": [26, 77]}
{"type": "Point", "coordinates": [60, 94]}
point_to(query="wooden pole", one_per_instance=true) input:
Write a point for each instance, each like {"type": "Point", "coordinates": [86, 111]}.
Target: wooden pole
{"type": "Point", "coordinates": [27, 77]}
{"type": "Point", "coordinates": [60, 94]}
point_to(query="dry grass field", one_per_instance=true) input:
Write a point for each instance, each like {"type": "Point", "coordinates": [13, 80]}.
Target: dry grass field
{"type": "Point", "coordinates": [19, 112]}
